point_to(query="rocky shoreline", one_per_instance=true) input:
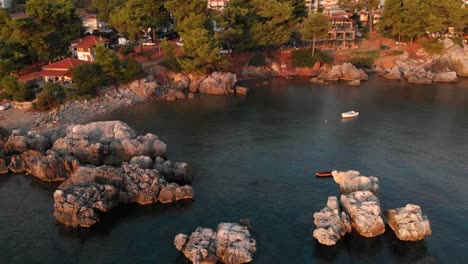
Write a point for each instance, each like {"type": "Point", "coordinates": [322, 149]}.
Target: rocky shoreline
{"type": "Point", "coordinates": [100, 165]}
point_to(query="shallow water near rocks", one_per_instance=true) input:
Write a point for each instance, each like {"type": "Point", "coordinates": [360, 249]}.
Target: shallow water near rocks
{"type": "Point", "coordinates": [255, 157]}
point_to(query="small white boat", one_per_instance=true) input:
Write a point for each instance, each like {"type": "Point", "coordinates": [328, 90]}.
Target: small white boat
{"type": "Point", "coordinates": [4, 106]}
{"type": "Point", "coordinates": [349, 114]}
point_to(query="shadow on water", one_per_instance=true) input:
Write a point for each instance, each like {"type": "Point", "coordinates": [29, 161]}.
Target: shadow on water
{"type": "Point", "coordinates": [120, 214]}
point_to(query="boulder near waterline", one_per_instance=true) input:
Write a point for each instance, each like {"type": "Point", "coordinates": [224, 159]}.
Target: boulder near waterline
{"type": "Point", "coordinates": [363, 207]}
{"type": "Point", "coordinates": [3, 166]}
{"type": "Point", "coordinates": [231, 244]}
{"type": "Point", "coordinates": [352, 180]}
{"type": "Point", "coordinates": [332, 224]}
{"type": "Point", "coordinates": [408, 223]}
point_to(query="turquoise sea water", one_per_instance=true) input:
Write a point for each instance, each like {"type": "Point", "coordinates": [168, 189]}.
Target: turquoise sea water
{"type": "Point", "coordinates": [255, 157]}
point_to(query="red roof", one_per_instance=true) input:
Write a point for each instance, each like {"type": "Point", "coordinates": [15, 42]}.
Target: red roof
{"type": "Point", "coordinates": [64, 65]}
{"type": "Point", "coordinates": [51, 73]}
{"type": "Point", "coordinates": [88, 42]}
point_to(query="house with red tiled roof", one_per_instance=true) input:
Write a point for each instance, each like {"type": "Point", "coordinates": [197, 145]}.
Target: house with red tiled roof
{"type": "Point", "coordinates": [60, 71]}
{"type": "Point", "coordinates": [83, 48]}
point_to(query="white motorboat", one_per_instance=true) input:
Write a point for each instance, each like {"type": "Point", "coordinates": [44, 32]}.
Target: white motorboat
{"type": "Point", "coordinates": [4, 106]}
{"type": "Point", "coordinates": [349, 114]}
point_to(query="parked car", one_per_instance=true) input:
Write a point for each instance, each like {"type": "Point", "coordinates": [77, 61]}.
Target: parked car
{"type": "Point", "coordinates": [384, 47]}
{"type": "Point", "coordinates": [149, 44]}
{"type": "Point", "coordinates": [359, 34]}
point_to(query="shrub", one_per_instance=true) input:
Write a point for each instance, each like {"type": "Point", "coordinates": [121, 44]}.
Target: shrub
{"type": "Point", "coordinates": [87, 78]}
{"type": "Point", "coordinates": [304, 58]}
{"type": "Point", "coordinates": [16, 90]}
{"type": "Point", "coordinates": [258, 60]}
{"type": "Point", "coordinates": [433, 47]}
{"type": "Point", "coordinates": [363, 62]}
{"type": "Point", "coordinates": [132, 71]}
{"type": "Point", "coordinates": [170, 58]}
{"type": "Point", "coordinates": [457, 41]}
{"type": "Point", "coordinates": [395, 52]}
{"type": "Point", "coordinates": [52, 95]}
{"type": "Point", "coordinates": [126, 49]}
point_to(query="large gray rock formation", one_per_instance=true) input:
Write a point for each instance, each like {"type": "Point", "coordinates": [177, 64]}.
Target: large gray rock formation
{"type": "Point", "coordinates": [346, 71]}
{"type": "Point", "coordinates": [19, 142]}
{"type": "Point", "coordinates": [231, 244]}
{"type": "Point", "coordinates": [363, 207]}
{"type": "Point", "coordinates": [331, 223]}
{"type": "Point", "coordinates": [352, 180]}
{"type": "Point", "coordinates": [349, 72]}
{"type": "Point", "coordinates": [408, 223]}
{"type": "Point", "coordinates": [47, 167]}
{"type": "Point", "coordinates": [173, 171]}
{"type": "Point", "coordinates": [264, 72]}
{"type": "Point", "coordinates": [218, 83]}
{"type": "Point", "coordinates": [132, 185]}
{"type": "Point", "coordinates": [107, 142]}
{"type": "Point", "coordinates": [81, 204]}
{"type": "Point", "coordinates": [457, 57]}
{"type": "Point", "coordinates": [445, 77]}
{"type": "Point", "coordinates": [143, 88]}
{"type": "Point", "coordinates": [394, 74]}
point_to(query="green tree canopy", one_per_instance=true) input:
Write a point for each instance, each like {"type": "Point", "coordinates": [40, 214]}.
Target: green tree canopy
{"type": "Point", "coordinates": [109, 62]}
{"type": "Point", "coordinates": [87, 78]}
{"type": "Point", "coordinates": [202, 53]}
{"type": "Point", "coordinates": [315, 26]}
{"type": "Point", "coordinates": [272, 26]}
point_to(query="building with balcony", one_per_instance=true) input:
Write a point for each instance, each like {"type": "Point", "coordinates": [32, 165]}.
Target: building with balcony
{"type": "Point", "coordinates": [217, 4]}
{"type": "Point", "coordinates": [60, 71]}
{"type": "Point", "coordinates": [83, 48]}
{"type": "Point", "coordinates": [91, 23]}
{"type": "Point", "coordinates": [5, 4]}
{"type": "Point", "coordinates": [326, 6]}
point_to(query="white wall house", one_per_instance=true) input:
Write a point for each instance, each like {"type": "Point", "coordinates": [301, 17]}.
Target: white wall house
{"type": "Point", "coordinates": [5, 3]}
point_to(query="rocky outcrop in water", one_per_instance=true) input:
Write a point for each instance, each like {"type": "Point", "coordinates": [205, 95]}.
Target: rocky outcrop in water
{"type": "Point", "coordinates": [46, 167]}
{"type": "Point", "coordinates": [264, 72]}
{"type": "Point", "coordinates": [457, 57]}
{"type": "Point", "coordinates": [130, 184]}
{"type": "Point", "coordinates": [107, 142]}
{"type": "Point", "coordinates": [173, 171]}
{"type": "Point", "coordinates": [363, 207]}
{"type": "Point", "coordinates": [218, 83]}
{"type": "Point", "coordinates": [231, 244]}
{"type": "Point", "coordinates": [20, 141]}
{"type": "Point", "coordinates": [393, 74]}
{"type": "Point", "coordinates": [352, 180]}
{"type": "Point", "coordinates": [408, 223]}
{"type": "Point", "coordinates": [143, 88]}
{"type": "Point", "coordinates": [331, 223]}
{"type": "Point", "coordinates": [445, 77]}
{"type": "Point", "coordinates": [346, 71]}
{"type": "Point", "coordinates": [178, 85]}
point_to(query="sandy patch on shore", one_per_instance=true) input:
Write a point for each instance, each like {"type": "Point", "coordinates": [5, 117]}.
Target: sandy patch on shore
{"type": "Point", "coordinates": [18, 118]}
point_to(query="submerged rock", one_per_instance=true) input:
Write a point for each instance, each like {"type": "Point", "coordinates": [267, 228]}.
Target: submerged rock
{"type": "Point", "coordinates": [231, 244]}
{"type": "Point", "coordinates": [352, 180]}
{"type": "Point", "coordinates": [363, 207]}
{"type": "Point", "coordinates": [408, 223]}
{"type": "Point", "coordinates": [331, 224]}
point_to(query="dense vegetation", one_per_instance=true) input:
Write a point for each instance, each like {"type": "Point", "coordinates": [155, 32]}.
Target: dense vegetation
{"type": "Point", "coordinates": [412, 19]}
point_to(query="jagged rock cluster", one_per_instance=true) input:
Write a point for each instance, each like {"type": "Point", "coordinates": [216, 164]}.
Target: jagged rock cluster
{"type": "Point", "coordinates": [363, 207]}
{"type": "Point", "coordinates": [97, 189]}
{"type": "Point", "coordinates": [431, 68]}
{"type": "Point", "coordinates": [331, 224]}
{"type": "Point", "coordinates": [409, 223]}
{"type": "Point", "coordinates": [231, 244]}
{"type": "Point", "coordinates": [347, 72]}
{"type": "Point", "coordinates": [80, 156]}
{"type": "Point", "coordinates": [362, 212]}
{"type": "Point", "coordinates": [172, 85]}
